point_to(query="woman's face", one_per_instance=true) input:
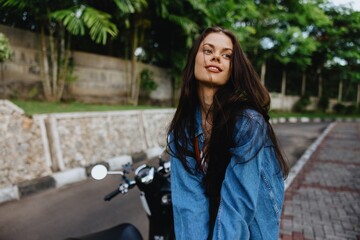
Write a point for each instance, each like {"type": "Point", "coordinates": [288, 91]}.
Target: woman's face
{"type": "Point", "coordinates": [213, 60]}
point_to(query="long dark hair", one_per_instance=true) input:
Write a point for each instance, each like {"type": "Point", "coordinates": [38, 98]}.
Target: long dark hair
{"type": "Point", "coordinates": [243, 90]}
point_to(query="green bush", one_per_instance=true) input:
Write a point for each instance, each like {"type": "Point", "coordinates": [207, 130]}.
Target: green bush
{"type": "Point", "coordinates": [323, 103]}
{"type": "Point", "coordinates": [147, 82]}
{"type": "Point", "coordinates": [339, 108]}
{"type": "Point", "coordinates": [351, 109]}
{"type": "Point", "coordinates": [5, 48]}
{"type": "Point", "coordinates": [301, 104]}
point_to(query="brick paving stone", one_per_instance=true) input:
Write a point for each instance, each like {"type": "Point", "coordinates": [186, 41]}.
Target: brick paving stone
{"type": "Point", "coordinates": [298, 236]}
{"type": "Point", "coordinates": [323, 201]}
{"type": "Point", "coordinates": [286, 237]}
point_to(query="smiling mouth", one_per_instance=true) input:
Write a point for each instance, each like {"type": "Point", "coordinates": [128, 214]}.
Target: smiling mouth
{"type": "Point", "coordinates": [213, 69]}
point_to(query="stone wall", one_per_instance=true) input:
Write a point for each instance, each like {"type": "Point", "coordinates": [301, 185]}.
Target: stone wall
{"type": "Point", "coordinates": [23, 146]}
{"type": "Point", "coordinates": [82, 139]}
{"type": "Point", "coordinates": [46, 144]}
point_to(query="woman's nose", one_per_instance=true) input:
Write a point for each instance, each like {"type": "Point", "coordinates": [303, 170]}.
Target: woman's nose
{"type": "Point", "coordinates": [215, 58]}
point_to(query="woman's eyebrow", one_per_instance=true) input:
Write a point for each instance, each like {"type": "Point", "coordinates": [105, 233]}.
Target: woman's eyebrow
{"type": "Point", "coordinates": [228, 49]}
{"type": "Point", "coordinates": [212, 46]}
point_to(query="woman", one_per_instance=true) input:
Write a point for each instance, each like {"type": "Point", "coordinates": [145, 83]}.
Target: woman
{"type": "Point", "coordinates": [227, 171]}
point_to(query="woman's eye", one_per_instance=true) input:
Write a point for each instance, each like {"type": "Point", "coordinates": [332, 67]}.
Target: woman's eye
{"type": "Point", "coordinates": [227, 56]}
{"type": "Point", "coordinates": [207, 51]}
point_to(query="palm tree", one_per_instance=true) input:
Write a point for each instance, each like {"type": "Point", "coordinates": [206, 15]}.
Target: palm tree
{"type": "Point", "coordinates": [131, 12]}
{"type": "Point", "coordinates": [57, 20]}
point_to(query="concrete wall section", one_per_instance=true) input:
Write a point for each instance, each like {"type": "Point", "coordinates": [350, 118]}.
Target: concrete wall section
{"type": "Point", "coordinates": [22, 67]}
{"type": "Point", "coordinates": [98, 78]}
{"type": "Point", "coordinates": [19, 37]}
{"type": "Point", "coordinates": [97, 82]}
{"type": "Point", "coordinates": [286, 103]}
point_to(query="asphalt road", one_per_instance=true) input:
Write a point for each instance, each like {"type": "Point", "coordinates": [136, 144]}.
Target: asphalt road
{"type": "Point", "coordinates": [79, 209]}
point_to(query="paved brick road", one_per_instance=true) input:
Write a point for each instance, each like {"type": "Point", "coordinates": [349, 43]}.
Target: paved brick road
{"type": "Point", "coordinates": [323, 201]}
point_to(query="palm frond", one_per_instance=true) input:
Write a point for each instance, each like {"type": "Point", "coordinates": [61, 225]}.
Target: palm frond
{"type": "Point", "coordinates": [200, 6]}
{"type": "Point", "coordinates": [70, 19]}
{"type": "Point", "coordinates": [189, 27]}
{"type": "Point", "coordinates": [185, 23]}
{"type": "Point", "coordinates": [78, 18]}
{"type": "Point", "coordinates": [99, 24]}
{"type": "Point", "coordinates": [131, 6]}
{"type": "Point", "coordinates": [20, 4]}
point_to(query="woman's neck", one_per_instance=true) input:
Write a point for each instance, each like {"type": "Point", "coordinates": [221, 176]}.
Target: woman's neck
{"type": "Point", "coordinates": [206, 95]}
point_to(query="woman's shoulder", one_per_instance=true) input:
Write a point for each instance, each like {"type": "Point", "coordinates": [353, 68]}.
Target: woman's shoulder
{"type": "Point", "coordinates": [249, 123]}
{"type": "Point", "coordinates": [250, 115]}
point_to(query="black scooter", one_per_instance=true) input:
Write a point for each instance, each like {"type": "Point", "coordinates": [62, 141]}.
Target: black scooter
{"type": "Point", "coordinates": [155, 196]}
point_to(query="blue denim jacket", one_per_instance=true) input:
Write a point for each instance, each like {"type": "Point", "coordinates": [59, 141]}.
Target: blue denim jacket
{"type": "Point", "coordinates": [252, 192]}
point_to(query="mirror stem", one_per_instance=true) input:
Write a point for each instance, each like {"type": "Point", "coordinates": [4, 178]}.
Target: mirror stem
{"type": "Point", "coordinates": [115, 172]}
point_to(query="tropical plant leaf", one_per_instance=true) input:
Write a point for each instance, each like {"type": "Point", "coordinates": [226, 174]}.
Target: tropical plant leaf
{"type": "Point", "coordinates": [20, 4]}
{"type": "Point", "coordinates": [71, 20]}
{"type": "Point", "coordinates": [131, 6]}
{"type": "Point", "coordinates": [78, 18]}
{"type": "Point", "coordinates": [189, 27]}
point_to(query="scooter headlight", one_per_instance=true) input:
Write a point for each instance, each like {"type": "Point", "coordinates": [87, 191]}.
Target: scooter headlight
{"type": "Point", "coordinates": [145, 174]}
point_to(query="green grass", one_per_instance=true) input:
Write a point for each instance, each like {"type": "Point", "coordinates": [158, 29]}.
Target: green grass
{"type": "Point", "coordinates": [37, 107]}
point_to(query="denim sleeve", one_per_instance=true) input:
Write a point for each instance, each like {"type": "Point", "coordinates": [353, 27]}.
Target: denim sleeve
{"type": "Point", "coordinates": [239, 192]}
{"type": "Point", "coordinates": [190, 205]}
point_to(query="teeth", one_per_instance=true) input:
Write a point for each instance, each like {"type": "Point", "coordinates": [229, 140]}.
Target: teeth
{"type": "Point", "coordinates": [213, 68]}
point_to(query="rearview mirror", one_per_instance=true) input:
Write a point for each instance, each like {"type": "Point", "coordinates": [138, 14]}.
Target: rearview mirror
{"type": "Point", "coordinates": [99, 172]}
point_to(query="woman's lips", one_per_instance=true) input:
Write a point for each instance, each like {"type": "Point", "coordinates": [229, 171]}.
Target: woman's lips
{"type": "Point", "coordinates": [214, 69]}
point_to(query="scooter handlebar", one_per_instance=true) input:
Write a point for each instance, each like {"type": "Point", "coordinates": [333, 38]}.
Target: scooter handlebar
{"type": "Point", "coordinates": [111, 195]}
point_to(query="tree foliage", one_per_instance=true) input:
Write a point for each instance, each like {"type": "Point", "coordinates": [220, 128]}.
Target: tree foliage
{"type": "Point", "coordinates": [310, 40]}
{"type": "Point", "coordinates": [77, 19]}
{"type": "Point", "coordinates": [5, 48]}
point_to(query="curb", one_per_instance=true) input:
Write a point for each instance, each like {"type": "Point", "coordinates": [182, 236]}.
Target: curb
{"type": "Point", "coordinates": [294, 171]}
{"type": "Point", "coordinates": [311, 120]}
{"type": "Point", "coordinates": [63, 178]}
